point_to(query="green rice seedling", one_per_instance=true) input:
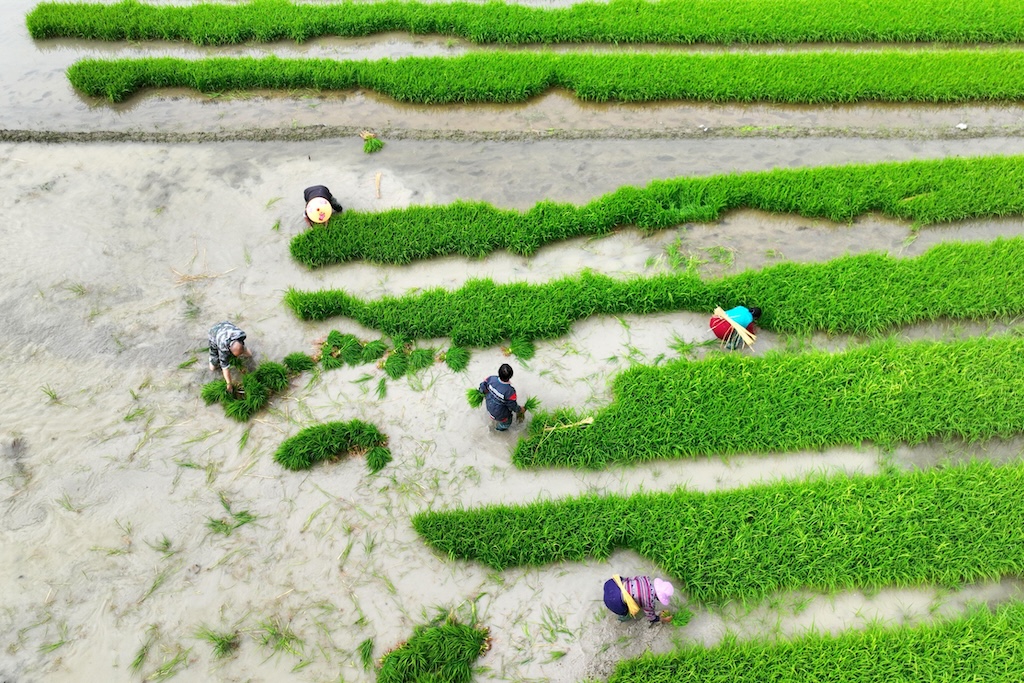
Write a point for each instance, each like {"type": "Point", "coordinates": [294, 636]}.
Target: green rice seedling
{"type": "Point", "coordinates": [219, 526]}
{"type": "Point", "coordinates": [279, 637]}
{"type": "Point", "coordinates": [163, 546]}
{"type": "Point", "coordinates": [945, 526]}
{"type": "Point", "coordinates": [189, 363]}
{"type": "Point", "coordinates": [921, 192]}
{"type": "Point", "coordinates": [523, 348]}
{"type": "Point", "coordinates": [223, 644]}
{"type": "Point", "coordinates": [985, 643]}
{"type": "Point", "coordinates": [373, 351]}
{"type": "Point", "coordinates": [51, 394]}
{"type": "Point", "coordinates": [327, 442]}
{"type": "Point", "coordinates": [57, 644]}
{"type": "Point", "coordinates": [474, 397]}
{"type": "Point", "coordinates": [382, 388]}
{"type": "Point", "coordinates": [340, 349]}
{"type": "Point", "coordinates": [885, 392]}
{"type": "Point", "coordinates": [159, 580]}
{"type": "Point", "coordinates": [397, 364]}
{"type": "Point", "coordinates": [171, 666]}
{"type": "Point", "coordinates": [681, 22]}
{"type": "Point", "coordinates": [439, 652]}
{"type": "Point", "coordinates": [503, 77]}
{"type": "Point", "coordinates": [152, 631]}
{"type": "Point", "coordinates": [961, 281]}
{"type": "Point", "coordinates": [421, 358]}
{"type": "Point", "coordinates": [377, 458]}
{"type": "Point", "coordinates": [532, 403]}
{"type": "Point", "coordinates": [257, 388]}
{"type": "Point", "coordinates": [298, 362]}
{"type": "Point", "coordinates": [372, 145]}
{"type": "Point", "coordinates": [365, 651]}
{"type": "Point", "coordinates": [457, 358]}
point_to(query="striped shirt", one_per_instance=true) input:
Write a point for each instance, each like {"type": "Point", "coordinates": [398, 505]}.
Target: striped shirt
{"type": "Point", "coordinates": [642, 590]}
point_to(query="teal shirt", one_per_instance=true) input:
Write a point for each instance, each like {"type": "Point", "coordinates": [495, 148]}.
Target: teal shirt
{"type": "Point", "coordinates": [741, 315]}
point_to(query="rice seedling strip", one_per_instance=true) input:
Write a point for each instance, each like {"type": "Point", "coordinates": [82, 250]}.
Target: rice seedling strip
{"type": "Point", "coordinates": [932, 76]}
{"type": "Point", "coordinates": [988, 645]}
{"type": "Point", "coordinates": [667, 22]}
{"type": "Point", "coordinates": [330, 440]}
{"type": "Point", "coordinates": [859, 294]}
{"type": "Point", "coordinates": [945, 526]}
{"type": "Point", "coordinates": [924, 192]}
{"type": "Point", "coordinates": [884, 392]}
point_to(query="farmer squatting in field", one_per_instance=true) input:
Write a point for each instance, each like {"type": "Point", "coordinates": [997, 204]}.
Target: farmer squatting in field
{"type": "Point", "coordinates": [320, 205]}
{"type": "Point", "coordinates": [739, 316]}
{"type": "Point", "coordinates": [626, 597]}
{"type": "Point", "coordinates": [226, 342]}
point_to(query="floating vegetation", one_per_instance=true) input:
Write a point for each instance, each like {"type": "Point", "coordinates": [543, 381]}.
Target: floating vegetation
{"type": "Point", "coordinates": [330, 441]}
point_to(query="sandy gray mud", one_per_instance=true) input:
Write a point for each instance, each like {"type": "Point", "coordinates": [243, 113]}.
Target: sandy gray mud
{"type": "Point", "coordinates": [118, 257]}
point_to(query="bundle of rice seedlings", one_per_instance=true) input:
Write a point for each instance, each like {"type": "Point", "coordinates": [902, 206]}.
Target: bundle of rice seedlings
{"type": "Point", "coordinates": [397, 364]}
{"type": "Point", "coordinates": [474, 397]}
{"type": "Point", "coordinates": [327, 441]}
{"type": "Point", "coordinates": [377, 458]}
{"type": "Point", "coordinates": [373, 351]}
{"type": "Point", "coordinates": [457, 358]}
{"type": "Point", "coordinates": [421, 358]}
{"type": "Point", "coordinates": [523, 348]}
{"type": "Point", "coordinates": [444, 652]}
{"type": "Point", "coordinates": [371, 143]}
{"type": "Point", "coordinates": [298, 362]}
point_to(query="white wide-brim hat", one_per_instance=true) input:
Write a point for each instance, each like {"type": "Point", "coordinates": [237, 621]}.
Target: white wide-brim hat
{"type": "Point", "coordinates": [663, 590]}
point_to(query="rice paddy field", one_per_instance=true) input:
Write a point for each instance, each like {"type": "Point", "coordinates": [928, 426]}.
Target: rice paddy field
{"type": "Point", "coordinates": [570, 188]}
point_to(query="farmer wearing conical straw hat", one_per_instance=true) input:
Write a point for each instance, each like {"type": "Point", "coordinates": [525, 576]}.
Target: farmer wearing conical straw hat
{"type": "Point", "coordinates": [627, 596]}
{"type": "Point", "coordinates": [320, 205]}
{"type": "Point", "coordinates": [735, 327]}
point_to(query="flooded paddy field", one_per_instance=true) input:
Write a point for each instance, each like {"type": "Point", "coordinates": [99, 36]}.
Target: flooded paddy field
{"type": "Point", "coordinates": [117, 259]}
{"type": "Point", "coordinates": [120, 253]}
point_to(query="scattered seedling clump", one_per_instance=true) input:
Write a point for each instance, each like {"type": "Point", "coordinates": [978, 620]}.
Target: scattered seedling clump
{"type": "Point", "coordinates": [441, 652]}
{"type": "Point", "coordinates": [377, 458]}
{"type": "Point", "coordinates": [374, 351]}
{"type": "Point", "coordinates": [330, 441]}
{"type": "Point", "coordinates": [952, 280]}
{"type": "Point", "coordinates": [924, 192]}
{"type": "Point", "coordinates": [371, 143]}
{"type": "Point", "coordinates": [340, 349]}
{"type": "Point", "coordinates": [474, 397]}
{"type": "Point", "coordinates": [421, 358]}
{"type": "Point", "coordinates": [946, 526]}
{"type": "Point", "coordinates": [257, 388]}
{"type": "Point", "coordinates": [223, 644]}
{"type": "Point", "coordinates": [667, 22]}
{"type": "Point", "coordinates": [523, 348]}
{"type": "Point", "coordinates": [989, 645]}
{"type": "Point", "coordinates": [397, 364]}
{"type": "Point", "coordinates": [298, 363]}
{"type": "Point", "coordinates": [885, 392]}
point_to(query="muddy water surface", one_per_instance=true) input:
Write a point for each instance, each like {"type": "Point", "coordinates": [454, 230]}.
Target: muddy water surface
{"type": "Point", "coordinates": [118, 258]}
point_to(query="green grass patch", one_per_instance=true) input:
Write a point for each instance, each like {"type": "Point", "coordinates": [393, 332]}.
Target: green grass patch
{"type": "Point", "coordinates": [925, 192]}
{"type": "Point", "coordinates": [945, 526]}
{"type": "Point", "coordinates": [330, 441]}
{"type": "Point", "coordinates": [990, 646]}
{"type": "Point", "coordinates": [668, 22]}
{"type": "Point", "coordinates": [885, 392]}
{"type": "Point", "coordinates": [503, 77]}
{"type": "Point", "coordinates": [442, 652]}
{"type": "Point", "coordinates": [257, 387]}
{"type": "Point", "coordinates": [862, 294]}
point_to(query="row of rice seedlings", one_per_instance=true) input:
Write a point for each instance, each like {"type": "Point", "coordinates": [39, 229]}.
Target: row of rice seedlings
{"type": "Point", "coordinates": [925, 192]}
{"type": "Point", "coordinates": [443, 652]}
{"type": "Point", "coordinates": [668, 21]}
{"type": "Point", "coordinates": [990, 646]}
{"type": "Point", "coordinates": [510, 77]}
{"type": "Point", "coordinates": [884, 392]}
{"type": "Point", "coordinates": [944, 526]}
{"type": "Point", "coordinates": [861, 294]}
{"type": "Point", "coordinates": [257, 388]}
{"type": "Point", "coordinates": [330, 441]}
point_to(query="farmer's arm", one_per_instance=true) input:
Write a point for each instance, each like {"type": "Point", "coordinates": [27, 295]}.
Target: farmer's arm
{"type": "Point", "coordinates": [226, 371]}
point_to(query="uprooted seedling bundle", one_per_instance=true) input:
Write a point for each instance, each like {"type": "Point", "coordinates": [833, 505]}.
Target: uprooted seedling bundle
{"type": "Point", "coordinates": [332, 440]}
{"type": "Point", "coordinates": [252, 395]}
{"type": "Point", "coordinates": [444, 653]}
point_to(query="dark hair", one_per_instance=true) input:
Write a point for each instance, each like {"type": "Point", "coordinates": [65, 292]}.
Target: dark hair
{"type": "Point", "coordinates": [505, 372]}
{"type": "Point", "coordinates": [755, 312]}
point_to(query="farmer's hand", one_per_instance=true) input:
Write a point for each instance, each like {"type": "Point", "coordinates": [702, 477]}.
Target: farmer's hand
{"type": "Point", "coordinates": [521, 414]}
{"type": "Point", "coordinates": [666, 617]}
{"type": "Point", "coordinates": [231, 388]}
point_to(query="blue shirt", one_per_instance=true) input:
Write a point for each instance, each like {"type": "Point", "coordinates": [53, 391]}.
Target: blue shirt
{"type": "Point", "coordinates": [500, 398]}
{"type": "Point", "coordinates": [741, 315]}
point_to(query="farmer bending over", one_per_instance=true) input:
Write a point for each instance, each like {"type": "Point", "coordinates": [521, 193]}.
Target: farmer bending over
{"type": "Point", "coordinates": [320, 204]}
{"type": "Point", "coordinates": [501, 398]}
{"type": "Point", "coordinates": [627, 596]}
{"type": "Point", "coordinates": [226, 342]}
{"type": "Point", "coordinates": [742, 316]}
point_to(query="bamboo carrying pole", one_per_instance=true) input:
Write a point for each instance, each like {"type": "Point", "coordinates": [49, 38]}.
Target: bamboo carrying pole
{"type": "Point", "coordinates": [747, 338]}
